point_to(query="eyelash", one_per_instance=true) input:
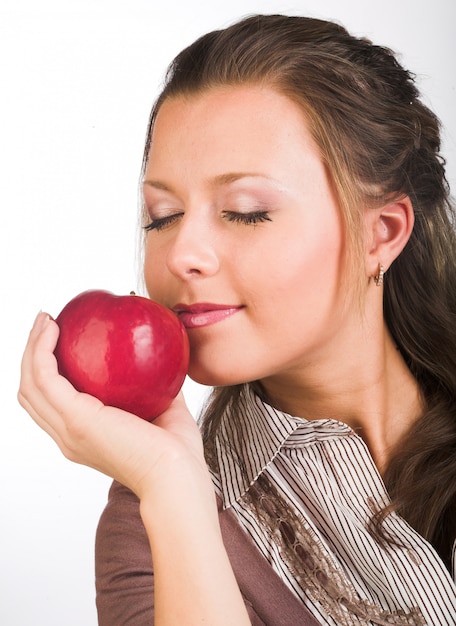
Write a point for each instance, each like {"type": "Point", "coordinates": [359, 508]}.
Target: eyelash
{"type": "Point", "coordinates": [253, 218]}
{"type": "Point", "coordinates": [161, 222]}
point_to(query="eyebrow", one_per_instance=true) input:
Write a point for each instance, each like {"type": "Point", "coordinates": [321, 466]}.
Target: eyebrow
{"type": "Point", "coordinates": [232, 177]}
{"type": "Point", "coordinates": [157, 184]}
{"type": "Point", "coordinates": [216, 181]}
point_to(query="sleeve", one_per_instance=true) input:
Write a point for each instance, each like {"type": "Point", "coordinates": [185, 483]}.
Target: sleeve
{"type": "Point", "coordinates": [124, 577]}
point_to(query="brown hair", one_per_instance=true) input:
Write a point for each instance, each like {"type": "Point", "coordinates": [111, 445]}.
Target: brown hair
{"type": "Point", "coordinates": [379, 142]}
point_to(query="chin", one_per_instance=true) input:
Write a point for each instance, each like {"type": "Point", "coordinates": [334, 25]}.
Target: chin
{"type": "Point", "coordinates": [211, 378]}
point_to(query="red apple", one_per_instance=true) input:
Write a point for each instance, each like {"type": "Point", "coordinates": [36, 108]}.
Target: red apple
{"type": "Point", "coordinates": [128, 351]}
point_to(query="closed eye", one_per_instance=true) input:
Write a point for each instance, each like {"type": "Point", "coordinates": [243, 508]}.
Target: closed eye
{"type": "Point", "coordinates": [160, 223]}
{"type": "Point", "coordinates": [254, 217]}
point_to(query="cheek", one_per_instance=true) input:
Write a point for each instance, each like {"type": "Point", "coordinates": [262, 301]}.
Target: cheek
{"type": "Point", "coordinates": [154, 274]}
{"type": "Point", "coordinates": [303, 267]}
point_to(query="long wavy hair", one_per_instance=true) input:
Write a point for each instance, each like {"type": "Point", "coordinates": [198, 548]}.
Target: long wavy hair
{"type": "Point", "coordinates": [379, 143]}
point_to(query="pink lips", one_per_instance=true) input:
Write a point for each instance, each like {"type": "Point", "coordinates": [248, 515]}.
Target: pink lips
{"type": "Point", "coordinates": [204, 313]}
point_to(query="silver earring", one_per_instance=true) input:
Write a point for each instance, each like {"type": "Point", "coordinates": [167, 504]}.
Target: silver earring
{"type": "Point", "coordinates": [379, 277]}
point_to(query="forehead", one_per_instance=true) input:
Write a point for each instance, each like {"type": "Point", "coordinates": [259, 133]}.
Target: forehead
{"type": "Point", "coordinates": [223, 124]}
{"type": "Point", "coordinates": [240, 97]}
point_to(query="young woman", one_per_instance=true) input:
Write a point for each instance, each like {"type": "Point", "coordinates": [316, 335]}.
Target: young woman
{"type": "Point", "coordinates": [297, 219]}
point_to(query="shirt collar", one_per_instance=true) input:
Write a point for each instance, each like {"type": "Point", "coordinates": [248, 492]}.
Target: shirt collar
{"type": "Point", "coordinates": [252, 440]}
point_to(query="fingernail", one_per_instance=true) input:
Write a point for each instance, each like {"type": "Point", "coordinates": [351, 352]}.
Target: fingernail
{"type": "Point", "coordinates": [41, 321]}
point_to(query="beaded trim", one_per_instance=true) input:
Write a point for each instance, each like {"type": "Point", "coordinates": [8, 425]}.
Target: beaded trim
{"type": "Point", "coordinates": [309, 563]}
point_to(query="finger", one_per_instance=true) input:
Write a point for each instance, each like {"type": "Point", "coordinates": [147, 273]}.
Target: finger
{"type": "Point", "coordinates": [27, 388]}
{"type": "Point", "coordinates": [38, 419]}
{"type": "Point", "coordinates": [178, 420]}
{"type": "Point", "coordinates": [43, 334]}
{"type": "Point", "coordinates": [38, 365]}
{"type": "Point", "coordinates": [39, 325]}
{"type": "Point", "coordinates": [176, 413]}
{"type": "Point", "coordinates": [43, 392]}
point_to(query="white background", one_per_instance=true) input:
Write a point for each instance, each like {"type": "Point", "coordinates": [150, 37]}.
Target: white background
{"type": "Point", "coordinates": [77, 79]}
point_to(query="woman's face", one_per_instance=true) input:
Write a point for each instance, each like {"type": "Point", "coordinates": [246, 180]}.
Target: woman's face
{"type": "Point", "coordinates": [245, 238]}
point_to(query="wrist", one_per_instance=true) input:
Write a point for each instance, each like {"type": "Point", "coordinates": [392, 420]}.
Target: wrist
{"type": "Point", "coordinates": [181, 488]}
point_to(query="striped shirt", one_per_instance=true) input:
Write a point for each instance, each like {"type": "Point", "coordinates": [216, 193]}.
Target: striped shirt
{"type": "Point", "coordinates": [324, 470]}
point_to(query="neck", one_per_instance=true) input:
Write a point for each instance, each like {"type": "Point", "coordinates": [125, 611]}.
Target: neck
{"type": "Point", "coordinates": [378, 398]}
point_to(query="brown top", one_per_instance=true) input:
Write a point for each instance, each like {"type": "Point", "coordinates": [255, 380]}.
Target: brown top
{"type": "Point", "coordinates": [125, 579]}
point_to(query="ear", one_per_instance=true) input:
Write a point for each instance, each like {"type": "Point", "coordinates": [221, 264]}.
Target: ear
{"type": "Point", "coordinates": [388, 231]}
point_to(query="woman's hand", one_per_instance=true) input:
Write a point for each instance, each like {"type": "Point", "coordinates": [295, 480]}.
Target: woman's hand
{"type": "Point", "coordinates": [121, 445]}
{"type": "Point", "coordinates": [163, 463]}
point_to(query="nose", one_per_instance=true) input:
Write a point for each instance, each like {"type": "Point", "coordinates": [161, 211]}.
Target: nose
{"type": "Point", "coordinates": [192, 252]}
